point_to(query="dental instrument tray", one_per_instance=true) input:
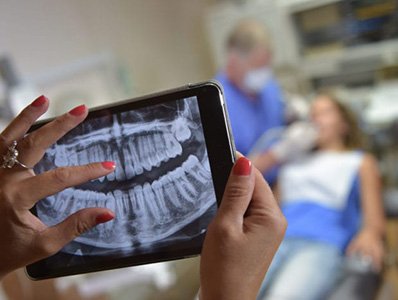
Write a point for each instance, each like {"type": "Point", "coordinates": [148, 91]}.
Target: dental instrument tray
{"type": "Point", "coordinates": [173, 152]}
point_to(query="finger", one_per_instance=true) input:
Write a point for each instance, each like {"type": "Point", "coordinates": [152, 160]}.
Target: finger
{"type": "Point", "coordinates": [52, 239]}
{"type": "Point", "coordinates": [238, 191]}
{"type": "Point", "coordinates": [33, 146]}
{"type": "Point", "coordinates": [263, 198]}
{"type": "Point", "coordinates": [263, 208]}
{"type": "Point", "coordinates": [376, 263]}
{"type": "Point", "coordinates": [56, 180]}
{"type": "Point", "coordinates": [21, 124]}
{"type": "Point", "coordinates": [377, 258]}
{"type": "Point", "coordinates": [354, 248]}
{"type": "Point", "coordinates": [238, 155]}
{"type": "Point", "coordinates": [369, 256]}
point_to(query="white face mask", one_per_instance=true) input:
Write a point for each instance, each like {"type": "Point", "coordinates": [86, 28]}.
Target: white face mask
{"type": "Point", "coordinates": [255, 80]}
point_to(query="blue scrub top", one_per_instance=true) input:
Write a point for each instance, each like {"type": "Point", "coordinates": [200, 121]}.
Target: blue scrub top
{"type": "Point", "coordinates": [251, 117]}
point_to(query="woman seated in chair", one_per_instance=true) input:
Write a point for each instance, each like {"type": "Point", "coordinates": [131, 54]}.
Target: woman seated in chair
{"type": "Point", "coordinates": [331, 198]}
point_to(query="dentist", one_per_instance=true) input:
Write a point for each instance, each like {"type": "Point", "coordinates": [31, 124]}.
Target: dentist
{"type": "Point", "coordinates": [253, 96]}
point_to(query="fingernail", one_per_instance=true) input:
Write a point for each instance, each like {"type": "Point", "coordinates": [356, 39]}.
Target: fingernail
{"type": "Point", "coordinates": [109, 165]}
{"type": "Point", "coordinates": [242, 167]}
{"type": "Point", "coordinates": [39, 101]}
{"type": "Point", "coordinates": [77, 111]}
{"type": "Point", "coordinates": [105, 217]}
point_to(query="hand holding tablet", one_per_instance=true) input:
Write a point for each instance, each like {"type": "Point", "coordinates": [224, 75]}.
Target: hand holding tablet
{"type": "Point", "coordinates": [196, 161]}
{"type": "Point", "coordinates": [24, 238]}
{"type": "Point", "coordinates": [242, 238]}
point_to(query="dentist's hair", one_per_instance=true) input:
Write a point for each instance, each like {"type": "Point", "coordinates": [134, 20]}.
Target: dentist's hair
{"type": "Point", "coordinates": [247, 35]}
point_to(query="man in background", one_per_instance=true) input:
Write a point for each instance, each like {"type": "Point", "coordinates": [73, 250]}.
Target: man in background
{"type": "Point", "coordinates": [253, 96]}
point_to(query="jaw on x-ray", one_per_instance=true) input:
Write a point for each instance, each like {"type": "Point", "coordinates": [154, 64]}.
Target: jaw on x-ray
{"type": "Point", "coordinates": [162, 182]}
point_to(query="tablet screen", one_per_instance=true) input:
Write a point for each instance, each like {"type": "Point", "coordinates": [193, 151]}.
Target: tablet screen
{"type": "Point", "coordinates": [162, 190]}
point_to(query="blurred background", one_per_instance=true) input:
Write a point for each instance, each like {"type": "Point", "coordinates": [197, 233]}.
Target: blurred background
{"type": "Point", "coordinates": [98, 52]}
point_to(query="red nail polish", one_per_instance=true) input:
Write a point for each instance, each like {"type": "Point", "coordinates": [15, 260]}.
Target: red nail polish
{"type": "Point", "coordinates": [109, 165]}
{"type": "Point", "coordinates": [77, 111]}
{"type": "Point", "coordinates": [39, 101]}
{"type": "Point", "coordinates": [243, 167]}
{"type": "Point", "coordinates": [104, 217]}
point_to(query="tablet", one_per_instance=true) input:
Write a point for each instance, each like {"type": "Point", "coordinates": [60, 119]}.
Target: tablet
{"type": "Point", "coordinates": [173, 151]}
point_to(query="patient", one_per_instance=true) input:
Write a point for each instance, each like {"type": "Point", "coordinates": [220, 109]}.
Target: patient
{"type": "Point", "coordinates": [326, 222]}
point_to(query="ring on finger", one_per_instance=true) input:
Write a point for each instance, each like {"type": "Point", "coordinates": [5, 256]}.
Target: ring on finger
{"type": "Point", "coordinates": [10, 159]}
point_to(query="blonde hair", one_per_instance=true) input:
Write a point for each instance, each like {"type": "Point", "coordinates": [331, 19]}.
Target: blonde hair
{"type": "Point", "coordinates": [354, 138]}
{"type": "Point", "coordinates": [247, 35]}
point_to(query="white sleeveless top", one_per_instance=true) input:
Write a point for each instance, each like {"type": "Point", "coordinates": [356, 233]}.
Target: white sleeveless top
{"type": "Point", "coordinates": [323, 177]}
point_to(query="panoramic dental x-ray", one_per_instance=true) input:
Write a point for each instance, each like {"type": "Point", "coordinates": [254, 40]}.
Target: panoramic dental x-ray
{"type": "Point", "coordinates": [162, 186]}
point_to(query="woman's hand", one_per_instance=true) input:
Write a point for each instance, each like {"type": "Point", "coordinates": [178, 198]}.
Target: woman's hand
{"type": "Point", "coordinates": [368, 244]}
{"type": "Point", "coordinates": [243, 237]}
{"type": "Point", "coordinates": [24, 238]}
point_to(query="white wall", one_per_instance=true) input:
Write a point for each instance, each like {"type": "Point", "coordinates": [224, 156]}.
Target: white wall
{"type": "Point", "coordinates": [161, 43]}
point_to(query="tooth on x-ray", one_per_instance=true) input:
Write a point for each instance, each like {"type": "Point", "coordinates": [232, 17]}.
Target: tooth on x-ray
{"type": "Point", "coordinates": [162, 183]}
{"type": "Point", "coordinates": [182, 131]}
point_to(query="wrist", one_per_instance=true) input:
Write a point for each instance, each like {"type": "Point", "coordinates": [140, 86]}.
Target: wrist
{"type": "Point", "coordinates": [5, 270]}
{"type": "Point", "coordinates": [228, 293]}
{"type": "Point", "coordinates": [374, 231]}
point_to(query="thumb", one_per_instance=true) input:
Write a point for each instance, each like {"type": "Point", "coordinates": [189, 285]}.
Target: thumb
{"type": "Point", "coordinates": [56, 237]}
{"type": "Point", "coordinates": [352, 248]}
{"type": "Point", "coordinates": [238, 191]}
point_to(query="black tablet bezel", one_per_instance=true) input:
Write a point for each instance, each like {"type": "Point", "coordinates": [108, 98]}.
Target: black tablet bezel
{"type": "Point", "coordinates": [221, 153]}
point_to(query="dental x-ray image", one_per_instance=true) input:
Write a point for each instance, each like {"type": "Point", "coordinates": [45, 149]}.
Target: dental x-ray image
{"type": "Point", "coordinates": [161, 191]}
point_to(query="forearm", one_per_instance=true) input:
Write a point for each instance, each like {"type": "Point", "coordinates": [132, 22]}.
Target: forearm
{"type": "Point", "coordinates": [371, 200]}
{"type": "Point", "coordinates": [374, 223]}
{"type": "Point", "coordinates": [373, 216]}
{"type": "Point", "coordinates": [265, 161]}
{"type": "Point", "coordinates": [3, 273]}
